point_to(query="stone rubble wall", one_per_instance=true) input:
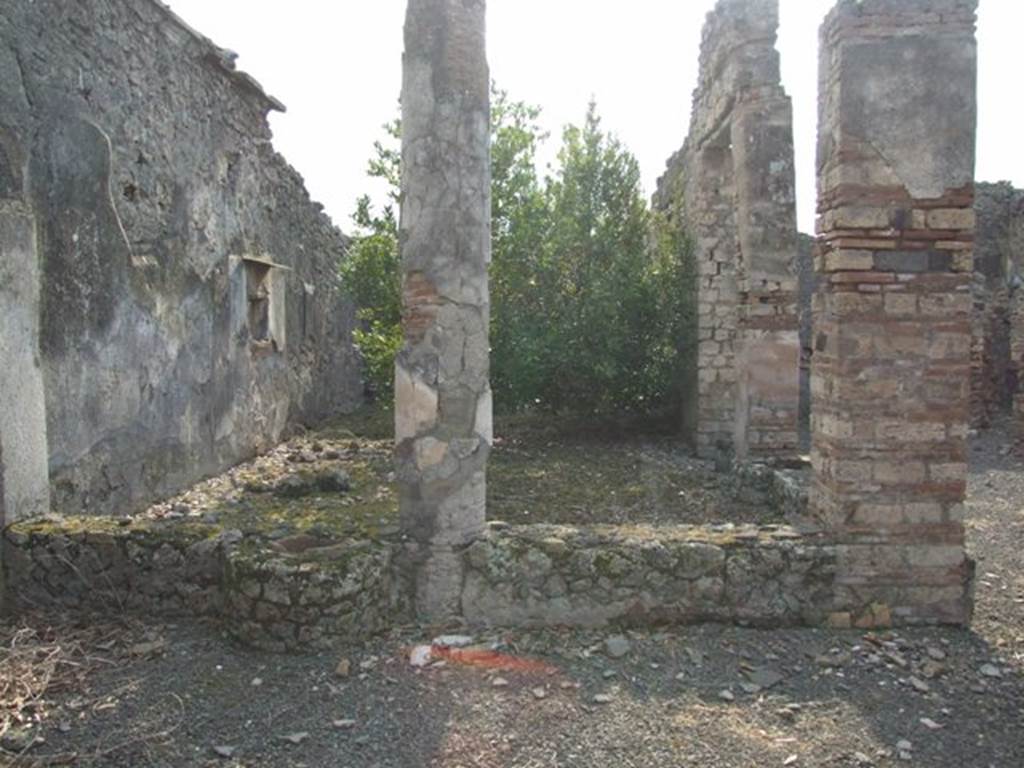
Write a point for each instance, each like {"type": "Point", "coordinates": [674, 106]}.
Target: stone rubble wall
{"type": "Point", "coordinates": [145, 158]}
{"type": "Point", "coordinates": [109, 568]}
{"type": "Point", "coordinates": [892, 315]}
{"type": "Point", "coordinates": [549, 575]}
{"type": "Point", "coordinates": [171, 570]}
{"type": "Point", "coordinates": [278, 605]}
{"type": "Point", "coordinates": [526, 575]}
{"type": "Point", "coordinates": [735, 174]}
{"type": "Point", "coordinates": [785, 488]}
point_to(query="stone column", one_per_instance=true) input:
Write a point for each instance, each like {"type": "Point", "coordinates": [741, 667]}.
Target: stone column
{"type": "Point", "coordinates": [443, 427]}
{"type": "Point", "coordinates": [891, 377]}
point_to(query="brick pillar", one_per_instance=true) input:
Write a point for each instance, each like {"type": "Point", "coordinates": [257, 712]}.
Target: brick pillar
{"type": "Point", "coordinates": [891, 377]}
{"type": "Point", "coordinates": [736, 175]}
{"type": "Point", "coordinates": [768, 345]}
{"type": "Point", "coordinates": [710, 202]}
{"type": "Point", "coordinates": [442, 395]}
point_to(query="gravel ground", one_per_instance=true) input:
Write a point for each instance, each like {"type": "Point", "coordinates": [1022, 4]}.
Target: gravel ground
{"type": "Point", "coordinates": [161, 695]}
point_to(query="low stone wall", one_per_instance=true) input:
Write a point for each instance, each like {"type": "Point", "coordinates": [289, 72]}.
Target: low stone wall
{"type": "Point", "coordinates": [338, 593]}
{"type": "Point", "coordinates": [308, 593]}
{"type": "Point", "coordinates": [107, 567]}
{"type": "Point", "coordinates": [269, 599]}
{"type": "Point", "coordinates": [550, 575]}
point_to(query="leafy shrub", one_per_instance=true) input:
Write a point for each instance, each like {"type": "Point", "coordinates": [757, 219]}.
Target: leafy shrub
{"type": "Point", "coordinates": [592, 300]}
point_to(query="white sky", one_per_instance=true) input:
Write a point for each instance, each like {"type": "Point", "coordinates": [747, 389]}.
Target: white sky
{"type": "Point", "coordinates": [337, 66]}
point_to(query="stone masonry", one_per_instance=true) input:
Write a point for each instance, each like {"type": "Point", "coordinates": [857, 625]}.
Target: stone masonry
{"type": "Point", "coordinates": [535, 575]}
{"type": "Point", "coordinates": [892, 313]}
{"type": "Point", "coordinates": [1017, 356]}
{"type": "Point", "coordinates": [24, 481]}
{"type": "Point", "coordinates": [1015, 369]}
{"type": "Point", "coordinates": [997, 343]}
{"type": "Point", "coordinates": [169, 294]}
{"type": "Point", "coordinates": [735, 174]}
{"type": "Point", "coordinates": [443, 430]}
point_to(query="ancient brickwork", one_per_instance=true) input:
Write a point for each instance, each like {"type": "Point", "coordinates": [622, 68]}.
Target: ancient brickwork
{"type": "Point", "coordinates": [443, 427]}
{"type": "Point", "coordinates": [998, 277]}
{"type": "Point", "coordinates": [892, 314]}
{"type": "Point", "coordinates": [177, 306]}
{"type": "Point", "coordinates": [735, 174]}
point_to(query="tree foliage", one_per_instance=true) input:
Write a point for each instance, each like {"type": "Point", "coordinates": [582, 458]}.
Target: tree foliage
{"type": "Point", "coordinates": [371, 274]}
{"type": "Point", "coordinates": [591, 310]}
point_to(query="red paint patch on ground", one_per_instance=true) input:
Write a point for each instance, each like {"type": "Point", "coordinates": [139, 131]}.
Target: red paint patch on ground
{"type": "Point", "coordinates": [485, 659]}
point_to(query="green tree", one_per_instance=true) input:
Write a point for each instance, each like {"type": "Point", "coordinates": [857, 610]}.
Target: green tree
{"type": "Point", "coordinates": [673, 273]}
{"type": "Point", "coordinates": [371, 271]}
{"type": "Point", "coordinates": [592, 310]}
{"type": "Point", "coordinates": [520, 226]}
{"type": "Point", "coordinates": [371, 274]}
{"type": "Point", "coordinates": [605, 323]}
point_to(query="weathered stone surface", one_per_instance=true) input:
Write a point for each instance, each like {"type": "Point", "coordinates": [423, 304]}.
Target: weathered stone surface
{"type": "Point", "coordinates": [103, 566]}
{"type": "Point", "coordinates": [318, 604]}
{"type": "Point", "coordinates": [24, 469]}
{"type": "Point", "coordinates": [997, 351]}
{"type": "Point", "coordinates": [768, 576]}
{"type": "Point", "coordinates": [527, 575]}
{"type": "Point", "coordinates": [145, 160]}
{"type": "Point", "coordinates": [733, 183]}
{"type": "Point", "coordinates": [1017, 356]}
{"type": "Point", "coordinates": [442, 392]}
{"type": "Point", "coordinates": [892, 339]}
{"type": "Point", "coordinates": [269, 600]}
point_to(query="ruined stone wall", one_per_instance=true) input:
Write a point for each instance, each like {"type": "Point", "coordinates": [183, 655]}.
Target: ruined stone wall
{"type": "Point", "coordinates": [536, 575]}
{"type": "Point", "coordinates": [998, 276]}
{"type": "Point", "coordinates": [1017, 355]}
{"type": "Point", "coordinates": [24, 482]}
{"type": "Point", "coordinates": [551, 576]}
{"type": "Point", "coordinates": [1015, 274]}
{"type": "Point", "coordinates": [892, 315]}
{"type": "Point", "coordinates": [736, 176]}
{"type": "Point", "coordinates": [167, 347]}
{"type": "Point", "coordinates": [265, 599]}
{"type": "Point", "coordinates": [997, 343]}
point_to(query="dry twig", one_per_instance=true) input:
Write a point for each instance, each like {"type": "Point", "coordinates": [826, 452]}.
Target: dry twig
{"type": "Point", "coordinates": [42, 657]}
